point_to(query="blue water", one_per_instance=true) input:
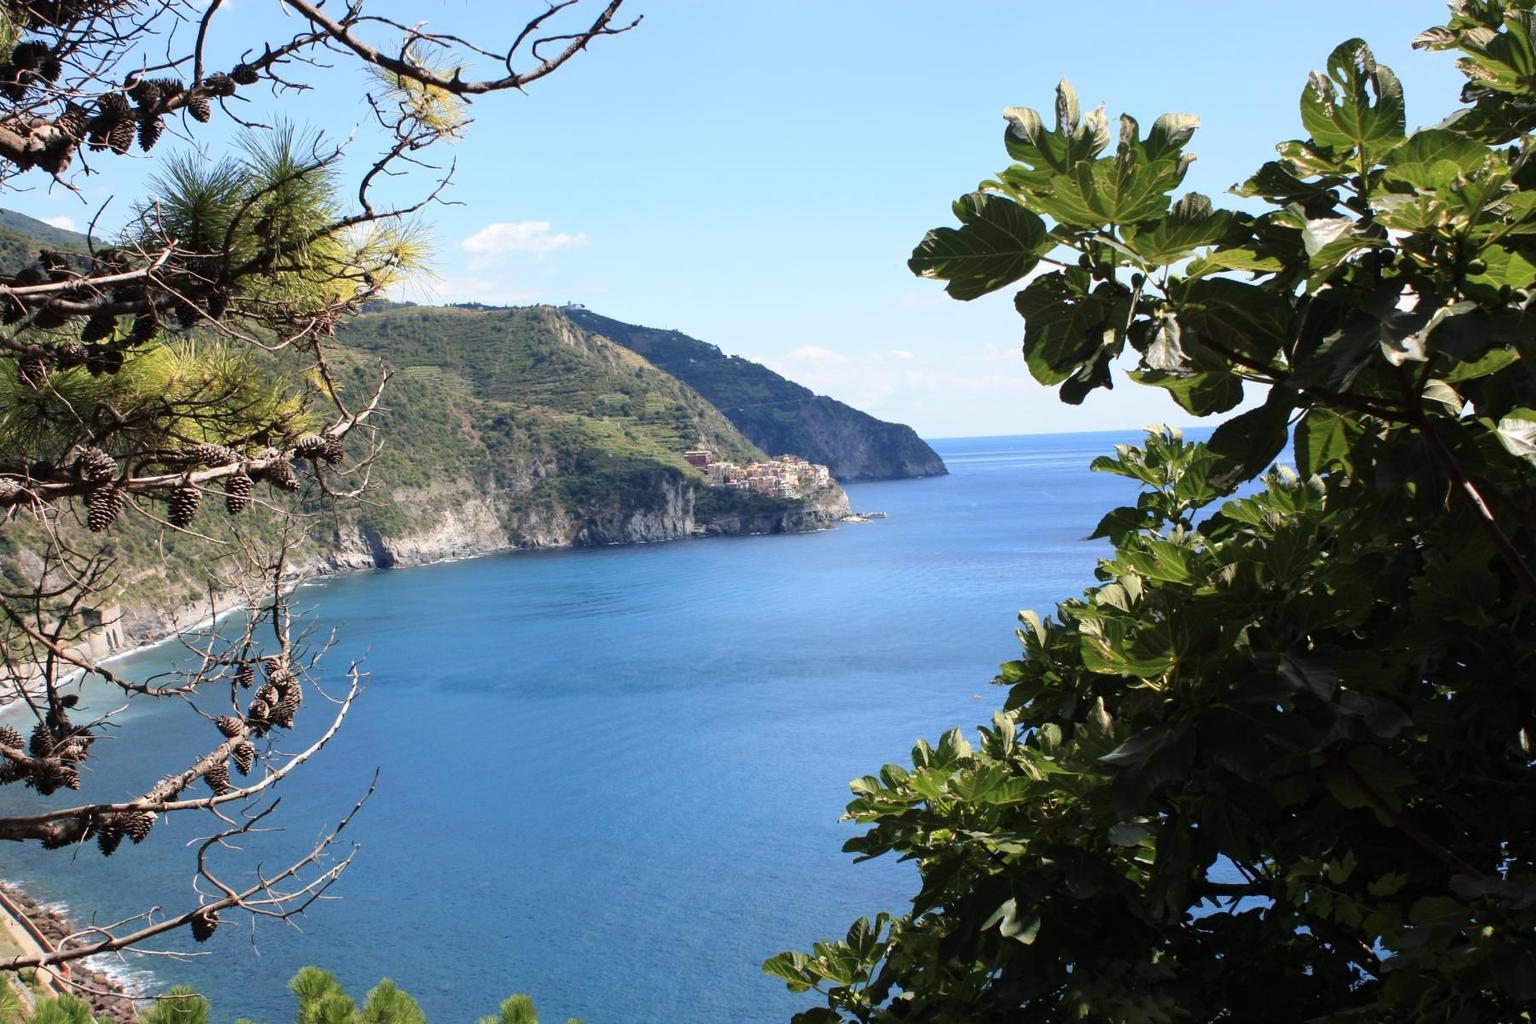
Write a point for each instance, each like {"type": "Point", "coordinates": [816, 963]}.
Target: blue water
{"type": "Point", "coordinates": [612, 778]}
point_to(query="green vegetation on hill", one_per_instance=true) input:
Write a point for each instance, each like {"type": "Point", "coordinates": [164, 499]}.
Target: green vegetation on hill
{"type": "Point", "coordinates": [21, 237]}
{"type": "Point", "coordinates": [499, 427]}
{"type": "Point", "coordinates": [536, 361]}
{"type": "Point", "coordinates": [777, 414]}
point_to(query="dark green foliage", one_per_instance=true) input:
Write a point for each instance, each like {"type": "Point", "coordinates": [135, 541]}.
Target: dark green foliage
{"type": "Point", "coordinates": [1277, 763]}
{"type": "Point", "coordinates": [179, 1005]}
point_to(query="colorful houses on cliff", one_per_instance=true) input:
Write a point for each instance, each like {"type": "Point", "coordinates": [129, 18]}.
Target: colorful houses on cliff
{"type": "Point", "coordinates": [787, 476]}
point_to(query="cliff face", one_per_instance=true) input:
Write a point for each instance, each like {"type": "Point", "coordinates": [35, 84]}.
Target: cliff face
{"type": "Point", "coordinates": [776, 414]}
{"type": "Point", "coordinates": [465, 522]}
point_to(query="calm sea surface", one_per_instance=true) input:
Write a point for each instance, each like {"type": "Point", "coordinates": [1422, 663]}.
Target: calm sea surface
{"type": "Point", "coordinates": [612, 778]}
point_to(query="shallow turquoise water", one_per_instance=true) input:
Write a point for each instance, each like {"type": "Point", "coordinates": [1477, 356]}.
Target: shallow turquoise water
{"type": "Point", "coordinates": [611, 778]}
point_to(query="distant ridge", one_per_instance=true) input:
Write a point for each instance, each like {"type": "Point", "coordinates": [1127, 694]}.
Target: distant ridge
{"type": "Point", "coordinates": [32, 228]}
{"type": "Point", "coordinates": [775, 413]}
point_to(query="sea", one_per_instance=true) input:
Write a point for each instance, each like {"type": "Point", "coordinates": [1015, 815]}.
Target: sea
{"type": "Point", "coordinates": [609, 778]}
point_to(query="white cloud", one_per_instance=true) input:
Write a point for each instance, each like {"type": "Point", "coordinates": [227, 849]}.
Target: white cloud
{"type": "Point", "coordinates": [901, 353]}
{"type": "Point", "coordinates": [817, 355]}
{"type": "Point", "coordinates": [63, 223]}
{"type": "Point", "coordinates": [532, 236]}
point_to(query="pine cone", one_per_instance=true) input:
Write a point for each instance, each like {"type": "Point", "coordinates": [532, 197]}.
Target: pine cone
{"type": "Point", "coordinates": [94, 465]}
{"type": "Point", "coordinates": [309, 446]}
{"type": "Point", "coordinates": [49, 317]}
{"type": "Point", "coordinates": [217, 304]}
{"type": "Point", "coordinates": [169, 88]}
{"type": "Point", "coordinates": [11, 771]}
{"type": "Point", "coordinates": [286, 707]}
{"type": "Point", "coordinates": [245, 674]}
{"type": "Point", "coordinates": [49, 775]}
{"type": "Point", "coordinates": [99, 326]}
{"type": "Point", "coordinates": [217, 778]}
{"type": "Point", "coordinates": [102, 507]}
{"type": "Point", "coordinates": [104, 360]}
{"type": "Point", "coordinates": [204, 923]}
{"type": "Point", "coordinates": [120, 137]}
{"type": "Point", "coordinates": [32, 371]}
{"type": "Point", "coordinates": [9, 737]}
{"type": "Point", "coordinates": [28, 55]}
{"type": "Point", "coordinates": [69, 355]}
{"type": "Point", "coordinates": [237, 493]}
{"type": "Point", "coordinates": [50, 69]}
{"type": "Point", "coordinates": [136, 824]}
{"type": "Point", "coordinates": [219, 84]}
{"type": "Point", "coordinates": [182, 506]}
{"type": "Point", "coordinates": [41, 744]}
{"type": "Point", "coordinates": [245, 758]}
{"type": "Point", "coordinates": [145, 327]}
{"type": "Point", "coordinates": [63, 834]}
{"type": "Point", "coordinates": [280, 473]}
{"type": "Point", "coordinates": [229, 725]}
{"type": "Point", "coordinates": [108, 838]}
{"type": "Point", "coordinates": [244, 74]}
{"type": "Point", "coordinates": [275, 670]}
{"type": "Point", "coordinates": [267, 693]}
{"type": "Point", "coordinates": [149, 132]}
{"type": "Point", "coordinates": [335, 451]}
{"type": "Point", "coordinates": [256, 715]}
{"type": "Point", "coordinates": [197, 106]}
{"type": "Point", "coordinates": [57, 156]}
{"type": "Point", "coordinates": [207, 454]}
{"type": "Point", "coordinates": [72, 122]}
{"type": "Point", "coordinates": [75, 750]}
{"type": "Point", "coordinates": [187, 315]}
{"type": "Point", "coordinates": [114, 108]}
{"type": "Point", "coordinates": [145, 92]}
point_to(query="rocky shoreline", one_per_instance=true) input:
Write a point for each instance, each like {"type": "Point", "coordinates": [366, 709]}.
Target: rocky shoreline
{"type": "Point", "coordinates": [111, 1001]}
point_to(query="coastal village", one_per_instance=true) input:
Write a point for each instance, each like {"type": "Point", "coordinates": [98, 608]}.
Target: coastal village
{"type": "Point", "coordinates": [787, 476]}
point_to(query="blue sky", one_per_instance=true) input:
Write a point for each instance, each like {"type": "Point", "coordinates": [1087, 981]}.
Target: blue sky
{"type": "Point", "coordinates": [756, 174]}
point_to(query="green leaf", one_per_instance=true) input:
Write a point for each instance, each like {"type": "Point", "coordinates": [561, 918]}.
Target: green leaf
{"type": "Point", "coordinates": [1248, 319]}
{"type": "Point", "coordinates": [1189, 225]}
{"type": "Point", "coordinates": [1063, 325]}
{"type": "Point", "coordinates": [1330, 241]}
{"type": "Point", "coordinates": [1432, 159]}
{"type": "Point", "coordinates": [1357, 104]}
{"type": "Point", "coordinates": [1277, 182]}
{"type": "Point", "coordinates": [1517, 433]}
{"type": "Point", "coordinates": [1322, 442]}
{"type": "Point", "coordinates": [998, 244]}
{"type": "Point", "coordinates": [1248, 443]}
{"type": "Point", "coordinates": [1128, 833]}
{"type": "Point", "coordinates": [1232, 259]}
{"type": "Point", "coordinates": [1198, 393]}
{"type": "Point", "coordinates": [1013, 925]}
{"type": "Point", "coordinates": [1437, 910]}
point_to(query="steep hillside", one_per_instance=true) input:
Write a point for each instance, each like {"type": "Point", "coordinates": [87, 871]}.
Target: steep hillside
{"type": "Point", "coordinates": [21, 236]}
{"type": "Point", "coordinates": [507, 429]}
{"type": "Point", "coordinates": [777, 414]}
